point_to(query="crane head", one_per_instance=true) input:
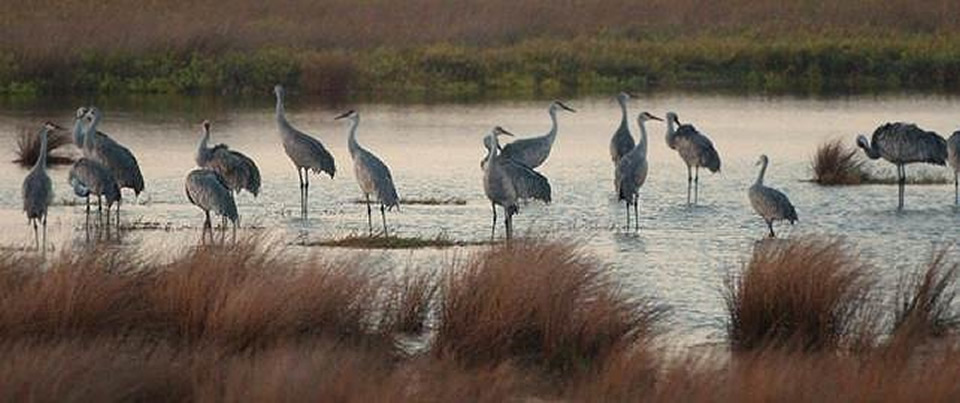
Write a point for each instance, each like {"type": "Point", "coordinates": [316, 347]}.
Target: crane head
{"type": "Point", "coordinates": [278, 90]}
{"type": "Point", "coordinates": [763, 159]}
{"type": "Point", "coordinates": [52, 126]}
{"type": "Point", "coordinates": [863, 142]}
{"type": "Point", "coordinates": [672, 117]}
{"type": "Point", "coordinates": [557, 104]}
{"type": "Point", "coordinates": [206, 125]}
{"type": "Point", "coordinates": [645, 116]}
{"type": "Point", "coordinates": [624, 96]}
{"type": "Point", "coordinates": [81, 112]}
{"type": "Point", "coordinates": [351, 114]}
{"type": "Point", "coordinates": [500, 131]}
{"type": "Point", "coordinates": [93, 113]}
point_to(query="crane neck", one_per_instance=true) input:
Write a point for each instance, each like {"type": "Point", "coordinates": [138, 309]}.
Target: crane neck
{"type": "Point", "coordinates": [623, 112]}
{"type": "Point", "coordinates": [352, 143]}
{"type": "Point", "coordinates": [88, 137]}
{"type": "Point", "coordinates": [553, 124]}
{"type": "Point", "coordinates": [281, 115]}
{"type": "Point", "coordinates": [41, 163]}
{"type": "Point", "coordinates": [204, 141]}
{"type": "Point", "coordinates": [671, 132]}
{"type": "Point", "coordinates": [870, 149]}
{"type": "Point", "coordinates": [763, 170]}
{"type": "Point", "coordinates": [642, 143]}
{"type": "Point", "coordinates": [78, 138]}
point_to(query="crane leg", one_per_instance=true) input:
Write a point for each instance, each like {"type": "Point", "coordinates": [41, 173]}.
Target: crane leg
{"type": "Point", "coordinates": [689, 183]}
{"type": "Point", "coordinates": [628, 214]}
{"type": "Point", "coordinates": [44, 233]}
{"type": "Point", "coordinates": [770, 226]}
{"type": "Point", "coordinates": [509, 224]}
{"type": "Point", "coordinates": [696, 185]}
{"type": "Point", "coordinates": [383, 217]}
{"type": "Point", "coordinates": [369, 216]}
{"type": "Point", "coordinates": [88, 205]}
{"type": "Point", "coordinates": [902, 184]}
{"type": "Point", "coordinates": [956, 189]}
{"type": "Point", "coordinates": [636, 212]}
{"type": "Point", "coordinates": [36, 234]}
{"type": "Point", "coordinates": [493, 228]}
{"type": "Point", "coordinates": [306, 192]}
{"type": "Point", "coordinates": [300, 179]}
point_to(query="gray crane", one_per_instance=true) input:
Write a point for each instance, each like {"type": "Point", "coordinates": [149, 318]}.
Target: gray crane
{"type": "Point", "coordinates": [695, 149]}
{"type": "Point", "coordinates": [117, 158]}
{"type": "Point", "coordinates": [904, 143]}
{"type": "Point", "coordinates": [506, 182]}
{"type": "Point", "coordinates": [239, 172]}
{"type": "Point", "coordinates": [372, 174]}
{"type": "Point", "coordinates": [208, 190]}
{"type": "Point", "coordinates": [622, 141]}
{"type": "Point", "coordinates": [631, 171]}
{"type": "Point", "coordinates": [306, 152]}
{"type": "Point", "coordinates": [37, 191]}
{"type": "Point", "coordinates": [533, 151]}
{"type": "Point", "coordinates": [771, 204]}
{"type": "Point", "coordinates": [89, 177]}
{"type": "Point", "coordinates": [953, 158]}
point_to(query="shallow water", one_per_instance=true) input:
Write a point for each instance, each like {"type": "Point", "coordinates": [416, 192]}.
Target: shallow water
{"type": "Point", "coordinates": [681, 253]}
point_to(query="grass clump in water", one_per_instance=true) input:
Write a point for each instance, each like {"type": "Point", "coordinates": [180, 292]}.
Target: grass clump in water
{"type": "Point", "coordinates": [391, 242]}
{"type": "Point", "coordinates": [28, 147]}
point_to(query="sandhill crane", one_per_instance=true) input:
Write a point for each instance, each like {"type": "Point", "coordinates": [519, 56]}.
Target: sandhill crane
{"type": "Point", "coordinates": [239, 172]}
{"type": "Point", "coordinates": [953, 157]}
{"type": "Point", "coordinates": [622, 141]}
{"type": "Point", "coordinates": [695, 149]}
{"type": "Point", "coordinates": [207, 189]}
{"type": "Point", "coordinates": [771, 204]}
{"type": "Point", "coordinates": [372, 174]}
{"type": "Point", "coordinates": [117, 158]}
{"type": "Point", "coordinates": [90, 177]}
{"type": "Point", "coordinates": [533, 151]}
{"type": "Point", "coordinates": [901, 144]}
{"type": "Point", "coordinates": [631, 171]}
{"type": "Point", "coordinates": [506, 182]}
{"type": "Point", "coordinates": [306, 152]}
{"type": "Point", "coordinates": [37, 191]}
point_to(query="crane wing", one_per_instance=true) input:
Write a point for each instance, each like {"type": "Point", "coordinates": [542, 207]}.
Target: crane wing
{"type": "Point", "coordinates": [528, 183]}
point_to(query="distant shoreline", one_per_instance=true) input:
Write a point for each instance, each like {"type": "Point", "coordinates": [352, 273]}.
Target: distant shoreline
{"type": "Point", "coordinates": [530, 68]}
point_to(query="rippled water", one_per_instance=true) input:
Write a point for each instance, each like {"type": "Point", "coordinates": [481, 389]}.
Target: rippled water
{"type": "Point", "coordinates": [681, 253]}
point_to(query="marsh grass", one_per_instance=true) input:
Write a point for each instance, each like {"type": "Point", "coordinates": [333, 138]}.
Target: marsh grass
{"type": "Point", "coordinates": [459, 48]}
{"type": "Point", "coordinates": [545, 304]}
{"type": "Point", "coordinates": [28, 147]}
{"type": "Point", "coordinates": [806, 293]}
{"type": "Point", "coordinates": [925, 302]}
{"type": "Point", "coordinates": [534, 320]}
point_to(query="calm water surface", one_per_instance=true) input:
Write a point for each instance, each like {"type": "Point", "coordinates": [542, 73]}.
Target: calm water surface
{"type": "Point", "coordinates": [681, 253]}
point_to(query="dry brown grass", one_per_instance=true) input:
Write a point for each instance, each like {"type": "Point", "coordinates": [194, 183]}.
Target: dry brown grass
{"type": "Point", "coordinates": [28, 147]}
{"type": "Point", "coordinates": [835, 163]}
{"type": "Point", "coordinates": [925, 308]}
{"type": "Point", "coordinates": [536, 302]}
{"type": "Point", "coordinates": [248, 322]}
{"type": "Point", "coordinates": [807, 293]}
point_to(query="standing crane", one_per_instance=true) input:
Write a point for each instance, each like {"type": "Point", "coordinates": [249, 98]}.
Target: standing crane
{"type": "Point", "coordinates": [372, 174]}
{"type": "Point", "coordinates": [506, 182]}
{"type": "Point", "coordinates": [206, 189]}
{"type": "Point", "coordinates": [622, 141]}
{"type": "Point", "coordinates": [117, 158]}
{"type": "Point", "coordinates": [533, 151]}
{"type": "Point", "coordinates": [771, 204]}
{"type": "Point", "coordinates": [239, 172]}
{"type": "Point", "coordinates": [305, 151]}
{"type": "Point", "coordinates": [631, 171]}
{"type": "Point", "coordinates": [904, 143]}
{"type": "Point", "coordinates": [953, 157]}
{"type": "Point", "coordinates": [37, 191]}
{"type": "Point", "coordinates": [88, 177]}
{"type": "Point", "coordinates": [695, 149]}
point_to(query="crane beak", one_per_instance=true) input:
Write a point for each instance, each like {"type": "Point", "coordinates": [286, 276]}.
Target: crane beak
{"type": "Point", "coordinates": [343, 115]}
{"type": "Point", "coordinates": [655, 118]}
{"type": "Point", "coordinates": [566, 107]}
{"type": "Point", "coordinates": [504, 132]}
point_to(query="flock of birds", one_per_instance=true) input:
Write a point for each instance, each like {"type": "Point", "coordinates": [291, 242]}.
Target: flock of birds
{"type": "Point", "coordinates": [509, 171]}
